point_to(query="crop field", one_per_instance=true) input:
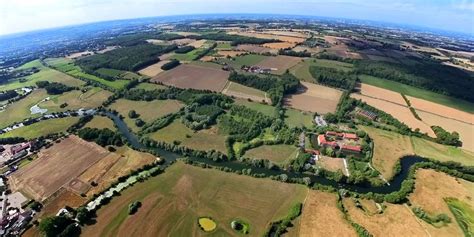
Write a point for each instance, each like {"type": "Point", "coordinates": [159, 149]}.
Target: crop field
{"type": "Point", "coordinates": [149, 86]}
{"type": "Point", "coordinates": [399, 112]}
{"type": "Point", "coordinates": [68, 67]}
{"type": "Point", "coordinates": [331, 164]}
{"type": "Point", "coordinates": [184, 41]}
{"type": "Point", "coordinates": [396, 220]}
{"type": "Point", "coordinates": [296, 118]}
{"type": "Point", "coordinates": [262, 108]}
{"type": "Point", "coordinates": [281, 63]}
{"type": "Point", "coordinates": [284, 38]}
{"type": "Point", "coordinates": [224, 45]}
{"type": "Point", "coordinates": [52, 169]}
{"type": "Point", "coordinates": [206, 139]}
{"type": "Point", "coordinates": [441, 152]}
{"type": "Point", "coordinates": [321, 217]}
{"type": "Point", "coordinates": [431, 189]}
{"type": "Point", "coordinates": [419, 93]}
{"type": "Point", "coordinates": [193, 76]}
{"type": "Point", "coordinates": [244, 92]}
{"type": "Point", "coordinates": [249, 60]}
{"type": "Point", "coordinates": [287, 33]}
{"type": "Point", "coordinates": [314, 98]}
{"type": "Point", "coordinates": [389, 147]}
{"type": "Point", "coordinates": [279, 154]}
{"type": "Point", "coordinates": [301, 70]}
{"type": "Point", "coordinates": [254, 48]}
{"type": "Point", "coordinates": [198, 43]}
{"type": "Point", "coordinates": [441, 110]}
{"type": "Point", "coordinates": [92, 98]}
{"type": "Point", "coordinates": [229, 53]}
{"type": "Point", "coordinates": [154, 69]}
{"type": "Point", "coordinates": [465, 130]}
{"type": "Point", "coordinates": [149, 111]}
{"type": "Point", "coordinates": [189, 56]}
{"type": "Point", "coordinates": [101, 122]}
{"type": "Point", "coordinates": [42, 128]}
{"type": "Point", "coordinates": [173, 201]}
{"type": "Point", "coordinates": [108, 169]}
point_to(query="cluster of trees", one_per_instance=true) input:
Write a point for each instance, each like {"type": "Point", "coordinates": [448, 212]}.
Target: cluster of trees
{"type": "Point", "coordinates": [420, 213]}
{"type": "Point", "coordinates": [185, 49]}
{"type": "Point", "coordinates": [130, 58]}
{"type": "Point", "coordinates": [444, 137]}
{"type": "Point", "coordinates": [133, 207]}
{"type": "Point", "coordinates": [333, 77]}
{"type": "Point", "coordinates": [11, 140]}
{"type": "Point", "coordinates": [423, 74]}
{"type": "Point", "coordinates": [289, 52]}
{"type": "Point", "coordinates": [54, 88]}
{"type": "Point", "coordinates": [158, 124]}
{"type": "Point", "coordinates": [170, 65]}
{"type": "Point", "coordinates": [102, 137]}
{"type": "Point", "coordinates": [244, 123]}
{"type": "Point", "coordinates": [6, 95]}
{"type": "Point", "coordinates": [80, 123]}
{"type": "Point", "coordinates": [59, 226]}
{"type": "Point", "coordinates": [278, 228]}
{"type": "Point", "coordinates": [275, 86]}
{"type": "Point", "coordinates": [198, 116]}
{"type": "Point", "coordinates": [205, 51]}
{"type": "Point", "coordinates": [235, 39]}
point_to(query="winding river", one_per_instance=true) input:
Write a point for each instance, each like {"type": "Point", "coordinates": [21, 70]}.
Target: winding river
{"type": "Point", "coordinates": [395, 183]}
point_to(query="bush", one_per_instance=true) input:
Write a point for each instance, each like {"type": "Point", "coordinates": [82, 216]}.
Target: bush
{"type": "Point", "coordinates": [133, 207]}
{"type": "Point", "coordinates": [170, 65]}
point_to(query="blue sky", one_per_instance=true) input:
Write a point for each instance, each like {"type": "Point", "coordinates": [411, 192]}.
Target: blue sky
{"type": "Point", "coordinates": [26, 15]}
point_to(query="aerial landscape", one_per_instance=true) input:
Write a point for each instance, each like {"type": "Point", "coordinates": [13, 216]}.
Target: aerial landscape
{"type": "Point", "coordinates": [236, 124]}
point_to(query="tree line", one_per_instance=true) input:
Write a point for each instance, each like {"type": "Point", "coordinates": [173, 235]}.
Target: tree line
{"type": "Point", "coordinates": [54, 88]}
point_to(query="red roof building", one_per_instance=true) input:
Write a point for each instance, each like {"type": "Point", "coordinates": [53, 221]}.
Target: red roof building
{"type": "Point", "coordinates": [356, 149]}
{"type": "Point", "coordinates": [351, 136]}
{"type": "Point", "coordinates": [323, 142]}
{"type": "Point", "coordinates": [17, 148]}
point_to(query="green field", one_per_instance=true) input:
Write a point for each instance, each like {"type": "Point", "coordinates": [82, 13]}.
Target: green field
{"type": "Point", "coordinates": [35, 63]}
{"type": "Point", "coordinates": [101, 122]}
{"type": "Point", "coordinates": [296, 118]}
{"type": "Point", "coordinates": [172, 203]}
{"type": "Point", "coordinates": [20, 110]}
{"type": "Point", "coordinates": [68, 67]}
{"type": "Point", "coordinates": [149, 111]}
{"type": "Point", "coordinates": [150, 86]}
{"type": "Point", "coordinates": [464, 215]}
{"type": "Point", "coordinates": [76, 99]}
{"type": "Point", "coordinates": [262, 108]}
{"type": "Point", "coordinates": [280, 154]}
{"type": "Point", "coordinates": [419, 93]}
{"type": "Point", "coordinates": [301, 70]}
{"type": "Point", "coordinates": [42, 128]}
{"type": "Point", "coordinates": [189, 56]}
{"type": "Point", "coordinates": [176, 131]}
{"type": "Point", "coordinates": [225, 45]}
{"type": "Point", "coordinates": [249, 59]}
{"type": "Point", "coordinates": [45, 74]}
{"type": "Point", "coordinates": [440, 152]}
{"type": "Point", "coordinates": [239, 88]}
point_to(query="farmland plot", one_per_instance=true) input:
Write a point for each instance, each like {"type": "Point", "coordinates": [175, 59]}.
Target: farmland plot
{"type": "Point", "coordinates": [281, 63]}
{"type": "Point", "coordinates": [314, 98]}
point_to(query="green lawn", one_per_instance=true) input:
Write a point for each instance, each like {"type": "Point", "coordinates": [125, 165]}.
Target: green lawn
{"type": "Point", "coordinates": [239, 88]}
{"type": "Point", "coordinates": [464, 215]}
{"type": "Point", "coordinates": [225, 45]}
{"type": "Point", "coordinates": [280, 154]}
{"type": "Point", "coordinates": [296, 118]}
{"type": "Point", "coordinates": [67, 66]}
{"type": "Point", "coordinates": [35, 63]}
{"type": "Point", "coordinates": [42, 128]}
{"type": "Point", "coordinates": [262, 108]}
{"type": "Point", "coordinates": [301, 70]}
{"type": "Point", "coordinates": [76, 99]}
{"type": "Point", "coordinates": [419, 93]}
{"type": "Point", "coordinates": [189, 56]}
{"type": "Point", "coordinates": [173, 202]}
{"type": "Point", "coordinates": [101, 122]}
{"type": "Point", "coordinates": [440, 152]}
{"type": "Point", "coordinates": [20, 110]}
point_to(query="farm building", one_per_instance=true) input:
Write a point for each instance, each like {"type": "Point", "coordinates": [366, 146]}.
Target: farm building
{"type": "Point", "coordinates": [20, 147]}
{"type": "Point", "coordinates": [340, 144]}
{"type": "Point", "coordinates": [366, 114]}
{"type": "Point", "coordinates": [350, 136]}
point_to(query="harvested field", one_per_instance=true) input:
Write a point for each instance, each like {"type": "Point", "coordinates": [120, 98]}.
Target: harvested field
{"type": "Point", "coordinates": [281, 63]}
{"type": "Point", "coordinates": [254, 48]}
{"type": "Point", "coordinates": [389, 147]}
{"type": "Point", "coordinates": [101, 122]}
{"type": "Point", "coordinates": [198, 43]}
{"type": "Point", "coordinates": [60, 199]}
{"type": "Point", "coordinates": [279, 154]}
{"type": "Point", "coordinates": [441, 152]}
{"type": "Point", "coordinates": [148, 110]}
{"type": "Point", "coordinates": [431, 187]}
{"type": "Point", "coordinates": [280, 45]}
{"type": "Point", "coordinates": [332, 164]}
{"type": "Point", "coordinates": [244, 92]}
{"type": "Point", "coordinates": [52, 169]}
{"type": "Point", "coordinates": [107, 170]}
{"type": "Point", "coordinates": [229, 53]}
{"type": "Point", "coordinates": [396, 220]}
{"type": "Point", "coordinates": [79, 54]}
{"type": "Point", "coordinates": [441, 110]}
{"type": "Point", "coordinates": [321, 217]}
{"type": "Point", "coordinates": [465, 130]}
{"type": "Point", "coordinates": [383, 94]}
{"type": "Point", "coordinates": [173, 201]}
{"type": "Point", "coordinates": [193, 76]}
{"type": "Point", "coordinates": [314, 98]}
{"type": "Point", "coordinates": [399, 112]}
{"type": "Point", "coordinates": [154, 69]}
{"type": "Point", "coordinates": [184, 41]}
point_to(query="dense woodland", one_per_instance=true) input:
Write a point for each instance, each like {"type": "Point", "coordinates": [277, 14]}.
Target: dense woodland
{"type": "Point", "coordinates": [235, 39]}
{"type": "Point", "coordinates": [130, 58]}
{"type": "Point", "coordinates": [333, 77]}
{"type": "Point", "coordinates": [6, 95]}
{"type": "Point", "coordinates": [54, 88]}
